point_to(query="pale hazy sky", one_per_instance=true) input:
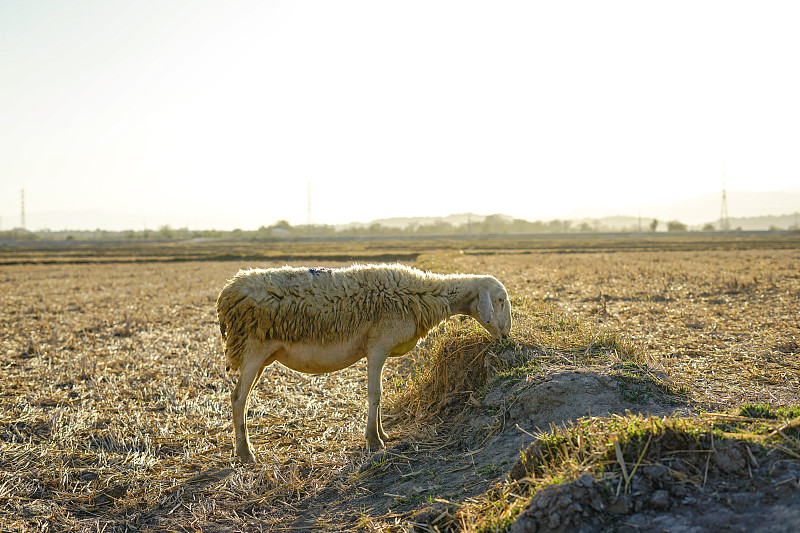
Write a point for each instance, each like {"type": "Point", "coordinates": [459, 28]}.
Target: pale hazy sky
{"type": "Point", "coordinates": [219, 113]}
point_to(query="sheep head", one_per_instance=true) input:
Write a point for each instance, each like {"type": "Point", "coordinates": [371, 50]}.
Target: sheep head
{"type": "Point", "coordinates": [490, 306]}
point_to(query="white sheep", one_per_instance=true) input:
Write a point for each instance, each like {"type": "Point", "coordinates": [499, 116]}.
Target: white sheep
{"type": "Point", "coordinates": [318, 320]}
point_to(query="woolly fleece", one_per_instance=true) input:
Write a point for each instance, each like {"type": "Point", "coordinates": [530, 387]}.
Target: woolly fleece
{"type": "Point", "coordinates": [321, 306]}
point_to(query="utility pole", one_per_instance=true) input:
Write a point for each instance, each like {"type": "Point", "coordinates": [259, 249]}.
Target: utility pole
{"type": "Point", "coordinates": [308, 227]}
{"type": "Point", "coordinates": [309, 204]}
{"type": "Point", "coordinates": [22, 216]}
{"type": "Point", "coordinates": [724, 223]}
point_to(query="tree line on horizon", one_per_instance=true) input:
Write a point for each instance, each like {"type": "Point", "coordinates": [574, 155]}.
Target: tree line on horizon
{"type": "Point", "coordinates": [282, 230]}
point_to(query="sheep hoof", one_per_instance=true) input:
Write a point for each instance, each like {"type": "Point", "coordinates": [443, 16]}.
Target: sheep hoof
{"type": "Point", "coordinates": [246, 456]}
{"type": "Point", "coordinates": [375, 444]}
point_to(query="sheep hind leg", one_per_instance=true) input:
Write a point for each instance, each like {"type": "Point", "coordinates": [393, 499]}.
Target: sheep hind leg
{"type": "Point", "coordinates": [374, 433]}
{"type": "Point", "coordinates": [253, 366]}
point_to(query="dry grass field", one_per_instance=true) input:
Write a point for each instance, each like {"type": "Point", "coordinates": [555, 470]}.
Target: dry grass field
{"type": "Point", "coordinates": [115, 413]}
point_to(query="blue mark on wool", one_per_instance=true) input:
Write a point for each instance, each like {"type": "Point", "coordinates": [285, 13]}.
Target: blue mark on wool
{"type": "Point", "coordinates": [321, 270]}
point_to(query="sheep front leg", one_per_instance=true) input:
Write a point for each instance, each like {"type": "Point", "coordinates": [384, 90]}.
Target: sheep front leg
{"type": "Point", "coordinates": [374, 432]}
{"type": "Point", "coordinates": [381, 433]}
{"type": "Point", "coordinates": [249, 374]}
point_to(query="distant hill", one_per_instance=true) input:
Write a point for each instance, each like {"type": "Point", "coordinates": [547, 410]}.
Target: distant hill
{"type": "Point", "coordinates": [746, 210]}
{"type": "Point", "coordinates": [705, 208]}
{"type": "Point", "coordinates": [632, 224]}
{"type": "Point", "coordinates": [764, 223]}
{"type": "Point", "coordinates": [605, 224]}
{"type": "Point", "coordinates": [405, 222]}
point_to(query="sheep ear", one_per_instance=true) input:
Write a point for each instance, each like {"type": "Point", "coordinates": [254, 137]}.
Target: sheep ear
{"type": "Point", "coordinates": [485, 309]}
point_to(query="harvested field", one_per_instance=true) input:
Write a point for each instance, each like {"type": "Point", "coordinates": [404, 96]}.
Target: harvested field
{"type": "Point", "coordinates": [114, 409]}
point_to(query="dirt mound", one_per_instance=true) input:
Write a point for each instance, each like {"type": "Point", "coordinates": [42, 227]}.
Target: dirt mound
{"type": "Point", "coordinates": [737, 493]}
{"type": "Point", "coordinates": [537, 403]}
{"type": "Point", "coordinates": [677, 477]}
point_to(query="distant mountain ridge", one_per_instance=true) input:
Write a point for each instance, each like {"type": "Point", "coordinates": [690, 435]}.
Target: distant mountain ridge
{"type": "Point", "coordinates": [610, 224]}
{"type": "Point", "coordinates": [706, 208]}
{"type": "Point", "coordinates": [747, 210]}
{"type": "Point", "coordinates": [459, 219]}
{"type": "Point", "coordinates": [636, 224]}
